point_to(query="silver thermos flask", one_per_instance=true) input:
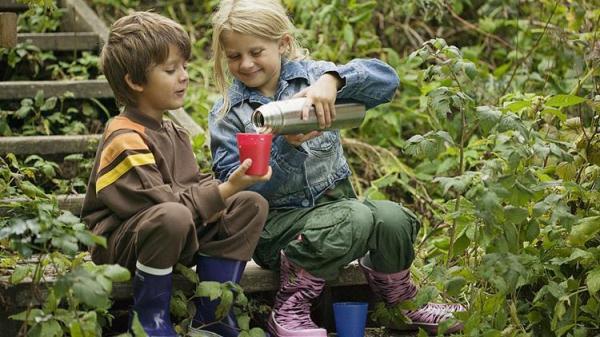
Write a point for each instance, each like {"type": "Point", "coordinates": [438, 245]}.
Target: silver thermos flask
{"type": "Point", "coordinates": [283, 117]}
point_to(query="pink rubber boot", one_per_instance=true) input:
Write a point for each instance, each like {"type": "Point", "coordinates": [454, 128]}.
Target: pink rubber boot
{"type": "Point", "coordinates": [397, 287]}
{"type": "Point", "coordinates": [291, 313]}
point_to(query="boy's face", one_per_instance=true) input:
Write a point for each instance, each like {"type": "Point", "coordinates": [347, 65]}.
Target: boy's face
{"type": "Point", "coordinates": [254, 61]}
{"type": "Point", "coordinates": [166, 85]}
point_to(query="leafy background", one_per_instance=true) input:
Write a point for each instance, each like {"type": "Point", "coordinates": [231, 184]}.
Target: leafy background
{"type": "Point", "coordinates": [493, 138]}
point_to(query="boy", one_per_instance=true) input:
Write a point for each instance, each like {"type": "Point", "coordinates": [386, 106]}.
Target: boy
{"type": "Point", "coordinates": [146, 194]}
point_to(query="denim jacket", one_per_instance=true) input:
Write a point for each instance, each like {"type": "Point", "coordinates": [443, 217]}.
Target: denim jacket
{"type": "Point", "coordinates": [300, 174]}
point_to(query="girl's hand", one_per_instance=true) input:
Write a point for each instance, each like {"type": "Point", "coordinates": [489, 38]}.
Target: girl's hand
{"type": "Point", "coordinates": [322, 95]}
{"type": "Point", "coordinates": [239, 180]}
{"type": "Point", "coordinates": [300, 138]}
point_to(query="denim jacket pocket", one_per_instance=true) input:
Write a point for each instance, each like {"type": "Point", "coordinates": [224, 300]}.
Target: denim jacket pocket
{"type": "Point", "coordinates": [324, 145]}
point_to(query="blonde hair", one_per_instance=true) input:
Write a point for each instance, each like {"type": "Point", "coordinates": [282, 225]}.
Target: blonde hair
{"type": "Point", "coordinates": [137, 42]}
{"type": "Point", "coordinates": [266, 19]}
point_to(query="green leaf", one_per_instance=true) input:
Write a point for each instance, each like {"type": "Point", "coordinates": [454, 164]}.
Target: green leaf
{"type": "Point", "coordinates": [348, 35]}
{"type": "Point", "coordinates": [136, 326]}
{"type": "Point", "coordinates": [364, 16]}
{"type": "Point", "coordinates": [49, 328]}
{"type": "Point", "coordinates": [566, 171]}
{"type": "Point", "coordinates": [455, 285]}
{"type": "Point", "coordinates": [20, 272]}
{"type": "Point", "coordinates": [561, 101]}
{"type": "Point", "coordinates": [210, 289]}
{"type": "Point", "coordinates": [257, 332]}
{"type": "Point", "coordinates": [585, 230]}
{"type": "Point", "coordinates": [49, 104]}
{"type": "Point", "coordinates": [188, 273]}
{"type": "Point", "coordinates": [225, 304]}
{"type": "Point", "coordinates": [562, 116]}
{"type": "Point", "coordinates": [488, 117]}
{"type": "Point", "coordinates": [116, 273]}
{"type": "Point", "coordinates": [243, 321]}
{"type": "Point", "coordinates": [518, 105]}
{"type": "Point", "coordinates": [593, 281]}
{"type": "Point", "coordinates": [178, 306]}
{"type": "Point", "coordinates": [515, 215]}
{"type": "Point", "coordinates": [75, 329]}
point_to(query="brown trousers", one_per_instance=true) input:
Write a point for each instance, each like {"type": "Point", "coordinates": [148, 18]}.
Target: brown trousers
{"type": "Point", "coordinates": [165, 234]}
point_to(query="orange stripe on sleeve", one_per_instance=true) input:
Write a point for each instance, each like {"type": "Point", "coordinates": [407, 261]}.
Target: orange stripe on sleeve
{"type": "Point", "coordinates": [121, 122]}
{"type": "Point", "coordinates": [121, 143]}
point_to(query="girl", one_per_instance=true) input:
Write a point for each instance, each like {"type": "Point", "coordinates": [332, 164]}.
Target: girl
{"type": "Point", "coordinates": [316, 225]}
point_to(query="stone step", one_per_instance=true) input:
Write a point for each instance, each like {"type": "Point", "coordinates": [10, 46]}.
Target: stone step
{"type": "Point", "coordinates": [45, 145]}
{"type": "Point", "coordinates": [80, 89]}
{"type": "Point", "coordinates": [255, 279]}
{"type": "Point", "coordinates": [62, 41]}
{"type": "Point", "coordinates": [12, 6]}
{"type": "Point", "coordinates": [8, 29]}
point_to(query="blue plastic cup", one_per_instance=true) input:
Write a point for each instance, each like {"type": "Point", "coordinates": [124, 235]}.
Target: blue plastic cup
{"type": "Point", "coordinates": [350, 318]}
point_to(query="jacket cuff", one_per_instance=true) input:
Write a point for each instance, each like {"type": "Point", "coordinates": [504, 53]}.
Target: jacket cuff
{"type": "Point", "coordinates": [351, 74]}
{"type": "Point", "coordinates": [208, 201]}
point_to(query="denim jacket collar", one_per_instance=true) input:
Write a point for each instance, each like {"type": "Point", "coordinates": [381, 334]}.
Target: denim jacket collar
{"type": "Point", "coordinates": [290, 70]}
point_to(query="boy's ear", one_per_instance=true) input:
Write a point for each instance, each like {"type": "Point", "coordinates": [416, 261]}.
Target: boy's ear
{"type": "Point", "coordinates": [284, 43]}
{"type": "Point", "coordinates": [134, 86]}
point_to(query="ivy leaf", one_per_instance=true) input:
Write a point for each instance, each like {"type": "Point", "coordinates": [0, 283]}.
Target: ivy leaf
{"type": "Point", "coordinates": [593, 281]}
{"type": "Point", "coordinates": [561, 101]}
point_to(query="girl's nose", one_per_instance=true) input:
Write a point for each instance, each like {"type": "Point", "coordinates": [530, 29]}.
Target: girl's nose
{"type": "Point", "coordinates": [247, 62]}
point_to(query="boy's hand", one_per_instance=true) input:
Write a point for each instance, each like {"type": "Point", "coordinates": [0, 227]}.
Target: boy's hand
{"type": "Point", "coordinates": [322, 95]}
{"type": "Point", "coordinates": [239, 180]}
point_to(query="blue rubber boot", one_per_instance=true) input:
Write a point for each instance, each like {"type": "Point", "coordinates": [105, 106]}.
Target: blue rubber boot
{"type": "Point", "coordinates": [219, 270]}
{"type": "Point", "coordinates": [151, 298]}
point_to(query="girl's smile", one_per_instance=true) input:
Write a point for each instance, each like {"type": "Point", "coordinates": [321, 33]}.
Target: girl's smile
{"type": "Point", "coordinates": [254, 61]}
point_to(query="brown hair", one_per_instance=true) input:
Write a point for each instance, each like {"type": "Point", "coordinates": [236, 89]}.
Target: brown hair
{"type": "Point", "coordinates": [136, 43]}
{"type": "Point", "coordinates": [266, 19]}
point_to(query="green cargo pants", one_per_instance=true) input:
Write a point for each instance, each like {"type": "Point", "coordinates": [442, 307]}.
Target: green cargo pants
{"type": "Point", "coordinates": [339, 229]}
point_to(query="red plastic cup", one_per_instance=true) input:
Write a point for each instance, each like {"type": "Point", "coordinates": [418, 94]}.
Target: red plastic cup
{"type": "Point", "coordinates": [258, 148]}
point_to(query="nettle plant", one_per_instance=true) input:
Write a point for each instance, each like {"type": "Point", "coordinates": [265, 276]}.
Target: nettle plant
{"type": "Point", "coordinates": [42, 115]}
{"type": "Point", "coordinates": [39, 241]}
{"type": "Point", "coordinates": [517, 187]}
